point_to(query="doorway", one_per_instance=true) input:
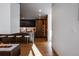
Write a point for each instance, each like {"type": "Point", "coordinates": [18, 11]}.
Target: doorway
{"type": "Point", "coordinates": [41, 13]}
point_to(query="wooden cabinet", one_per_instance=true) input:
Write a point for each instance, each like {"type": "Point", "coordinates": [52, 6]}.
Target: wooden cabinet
{"type": "Point", "coordinates": [41, 27]}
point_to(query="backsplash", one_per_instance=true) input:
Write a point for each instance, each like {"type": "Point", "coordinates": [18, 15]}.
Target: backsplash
{"type": "Point", "coordinates": [27, 29]}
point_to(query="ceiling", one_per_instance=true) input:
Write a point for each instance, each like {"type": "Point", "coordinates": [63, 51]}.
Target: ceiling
{"type": "Point", "coordinates": [33, 10]}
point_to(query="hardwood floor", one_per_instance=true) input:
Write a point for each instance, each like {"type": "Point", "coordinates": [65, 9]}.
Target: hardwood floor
{"type": "Point", "coordinates": [42, 45]}
{"type": "Point", "coordinates": [25, 49]}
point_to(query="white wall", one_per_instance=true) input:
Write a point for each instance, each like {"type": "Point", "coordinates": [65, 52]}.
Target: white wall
{"type": "Point", "coordinates": [4, 18]}
{"type": "Point", "coordinates": [50, 24]}
{"type": "Point", "coordinates": [66, 29]}
{"type": "Point", "coordinates": [15, 17]}
{"type": "Point", "coordinates": [9, 18]}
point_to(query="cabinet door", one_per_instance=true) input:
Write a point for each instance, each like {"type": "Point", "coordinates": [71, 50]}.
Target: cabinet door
{"type": "Point", "coordinates": [41, 27]}
{"type": "Point", "coordinates": [46, 28]}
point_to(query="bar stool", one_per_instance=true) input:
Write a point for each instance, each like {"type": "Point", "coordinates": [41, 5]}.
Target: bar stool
{"type": "Point", "coordinates": [3, 40]}
{"type": "Point", "coordinates": [32, 37]}
{"type": "Point", "coordinates": [27, 38]}
{"type": "Point", "coordinates": [11, 38]}
{"type": "Point", "coordinates": [2, 36]}
{"type": "Point", "coordinates": [18, 38]}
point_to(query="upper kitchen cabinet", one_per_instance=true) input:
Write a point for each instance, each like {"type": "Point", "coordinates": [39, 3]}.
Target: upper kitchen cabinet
{"type": "Point", "coordinates": [10, 18]}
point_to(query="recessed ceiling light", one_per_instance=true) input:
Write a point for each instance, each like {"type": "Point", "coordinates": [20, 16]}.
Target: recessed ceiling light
{"type": "Point", "coordinates": [39, 10]}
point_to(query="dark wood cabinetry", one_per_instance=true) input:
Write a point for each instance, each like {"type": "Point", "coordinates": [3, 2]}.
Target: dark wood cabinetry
{"type": "Point", "coordinates": [41, 27]}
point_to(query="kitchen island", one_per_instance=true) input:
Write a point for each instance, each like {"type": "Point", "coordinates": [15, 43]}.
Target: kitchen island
{"type": "Point", "coordinates": [9, 49]}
